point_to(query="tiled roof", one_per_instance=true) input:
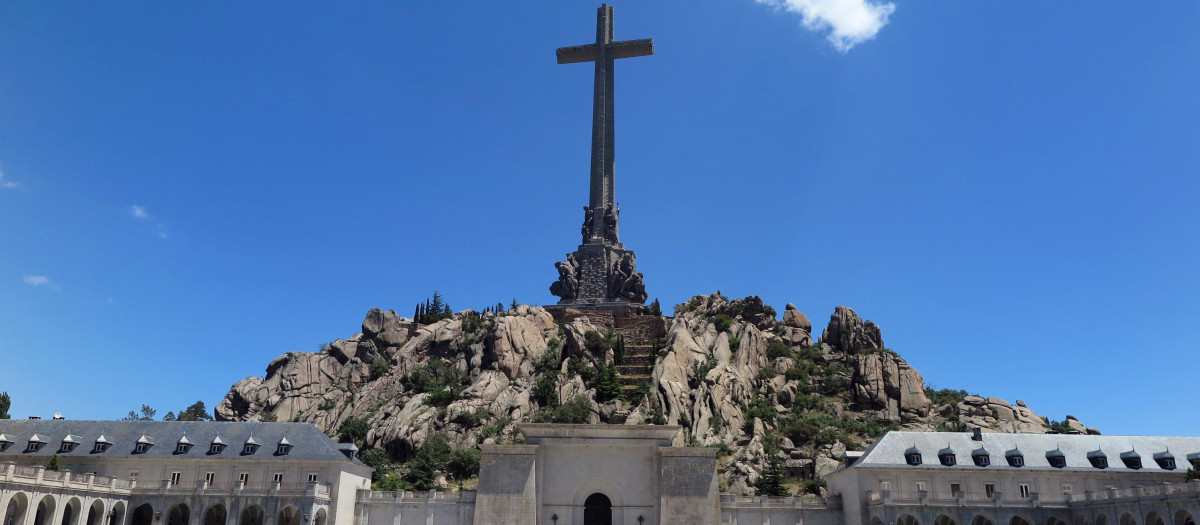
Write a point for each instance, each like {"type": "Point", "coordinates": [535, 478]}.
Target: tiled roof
{"type": "Point", "coordinates": [307, 442]}
{"type": "Point", "coordinates": [889, 451]}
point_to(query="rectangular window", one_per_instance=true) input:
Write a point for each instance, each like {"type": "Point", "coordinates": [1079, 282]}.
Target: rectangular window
{"type": "Point", "coordinates": [1067, 488]}
{"type": "Point", "coordinates": [133, 474]}
{"type": "Point", "coordinates": [277, 478]}
{"type": "Point", "coordinates": [1024, 489]}
{"type": "Point", "coordinates": [885, 485]}
{"type": "Point", "coordinates": [955, 488]}
{"type": "Point", "coordinates": [244, 477]}
{"type": "Point", "coordinates": [175, 478]}
{"type": "Point", "coordinates": [920, 486]}
{"type": "Point", "coordinates": [140, 448]}
{"type": "Point", "coordinates": [210, 477]}
{"type": "Point", "coordinates": [312, 478]}
{"type": "Point", "coordinates": [989, 489]}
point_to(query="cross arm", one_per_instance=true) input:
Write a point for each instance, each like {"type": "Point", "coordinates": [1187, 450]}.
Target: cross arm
{"type": "Point", "coordinates": [573, 54]}
{"type": "Point", "coordinates": [630, 48]}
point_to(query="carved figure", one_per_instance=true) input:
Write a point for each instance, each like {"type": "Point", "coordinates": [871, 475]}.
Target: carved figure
{"type": "Point", "coordinates": [586, 229]}
{"type": "Point", "coordinates": [610, 223]}
{"type": "Point", "coordinates": [567, 285]}
{"type": "Point", "coordinates": [625, 282]}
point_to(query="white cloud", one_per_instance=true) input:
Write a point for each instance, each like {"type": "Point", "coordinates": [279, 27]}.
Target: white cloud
{"type": "Point", "coordinates": [7, 183]}
{"type": "Point", "coordinates": [848, 22]}
{"type": "Point", "coordinates": [39, 280]}
{"type": "Point", "coordinates": [138, 212]}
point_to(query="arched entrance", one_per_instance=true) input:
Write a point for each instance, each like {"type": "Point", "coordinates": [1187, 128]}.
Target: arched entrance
{"type": "Point", "coordinates": [142, 515]}
{"type": "Point", "coordinates": [179, 515]}
{"type": "Point", "coordinates": [1183, 517]}
{"type": "Point", "coordinates": [253, 515]}
{"type": "Point", "coordinates": [289, 515]}
{"type": "Point", "coordinates": [1154, 519]}
{"type": "Point", "coordinates": [71, 511]}
{"type": "Point", "coordinates": [215, 515]}
{"type": "Point", "coordinates": [944, 520]}
{"type": "Point", "coordinates": [95, 515]}
{"type": "Point", "coordinates": [1019, 520]}
{"type": "Point", "coordinates": [1128, 519]}
{"type": "Point", "coordinates": [597, 510]}
{"type": "Point", "coordinates": [45, 511]}
{"type": "Point", "coordinates": [321, 515]}
{"type": "Point", "coordinates": [14, 512]}
{"type": "Point", "coordinates": [118, 514]}
{"type": "Point", "coordinates": [980, 519]}
{"type": "Point", "coordinates": [907, 519]}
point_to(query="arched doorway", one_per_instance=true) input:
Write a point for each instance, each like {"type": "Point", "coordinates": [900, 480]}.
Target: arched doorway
{"type": "Point", "coordinates": [597, 510]}
{"type": "Point", "coordinates": [321, 515]}
{"type": "Point", "coordinates": [179, 515]}
{"type": "Point", "coordinates": [1183, 517]}
{"type": "Point", "coordinates": [943, 519]}
{"type": "Point", "coordinates": [14, 512]}
{"type": "Point", "coordinates": [980, 519]}
{"type": "Point", "coordinates": [1154, 519]}
{"type": "Point", "coordinates": [1102, 520]}
{"type": "Point", "coordinates": [95, 515]}
{"type": "Point", "coordinates": [71, 511]}
{"type": "Point", "coordinates": [907, 519]}
{"type": "Point", "coordinates": [289, 515]}
{"type": "Point", "coordinates": [118, 514]}
{"type": "Point", "coordinates": [215, 515]}
{"type": "Point", "coordinates": [1055, 521]}
{"type": "Point", "coordinates": [45, 511]}
{"type": "Point", "coordinates": [1019, 520]}
{"type": "Point", "coordinates": [142, 515]}
{"type": "Point", "coordinates": [253, 515]}
{"type": "Point", "coordinates": [1128, 519]}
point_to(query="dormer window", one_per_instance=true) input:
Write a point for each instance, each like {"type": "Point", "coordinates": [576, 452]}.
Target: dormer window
{"type": "Point", "coordinates": [68, 444]}
{"type": "Point", "coordinates": [5, 442]}
{"type": "Point", "coordinates": [1098, 459]}
{"type": "Point", "coordinates": [1056, 458]}
{"type": "Point", "coordinates": [216, 447]}
{"type": "Point", "coordinates": [143, 445]}
{"type": "Point", "coordinates": [183, 445]}
{"type": "Point", "coordinates": [1015, 458]}
{"type": "Point", "coordinates": [1131, 459]}
{"type": "Point", "coordinates": [912, 456]}
{"type": "Point", "coordinates": [947, 458]}
{"type": "Point", "coordinates": [981, 458]}
{"type": "Point", "coordinates": [283, 448]}
{"type": "Point", "coordinates": [1165, 460]}
{"type": "Point", "coordinates": [35, 444]}
{"type": "Point", "coordinates": [250, 447]}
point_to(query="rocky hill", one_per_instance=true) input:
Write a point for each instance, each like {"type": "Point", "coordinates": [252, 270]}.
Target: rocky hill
{"type": "Point", "coordinates": [728, 371]}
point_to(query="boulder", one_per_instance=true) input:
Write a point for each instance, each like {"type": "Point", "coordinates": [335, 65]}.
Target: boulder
{"type": "Point", "coordinates": [796, 319]}
{"type": "Point", "coordinates": [849, 333]}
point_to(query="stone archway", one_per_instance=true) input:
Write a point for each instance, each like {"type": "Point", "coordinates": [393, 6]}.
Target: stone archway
{"type": "Point", "coordinates": [179, 515]}
{"type": "Point", "coordinates": [142, 515]}
{"type": "Point", "coordinates": [45, 511]}
{"type": "Point", "coordinates": [253, 515]}
{"type": "Point", "coordinates": [907, 519]}
{"type": "Point", "coordinates": [943, 519]}
{"type": "Point", "coordinates": [14, 511]}
{"type": "Point", "coordinates": [95, 514]}
{"type": "Point", "coordinates": [215, 515]}
{"type": "Point", "coordinates": [118, 514]}
{"type": "Point", "coordinates": [597, 510]}
{"type": "Point", "coordinates": [1153, 518]}
{"type": "Point", "coordinates": [322, 516]}
{"type": "Point", "coordinates": [71, 512]}
{"type": "Point", "coordinates": [1128, 519]}
{"type": "Point", "coordinates": [1019, 520]}
{"type": "Point", "coordinates": [1053, 520]}
{"type": "Point", "coordinates": [289, 515]}
{"type": "Point", "coordinates": [980, 519]}
{"type": "Point", "coordinates": [1183, 517]}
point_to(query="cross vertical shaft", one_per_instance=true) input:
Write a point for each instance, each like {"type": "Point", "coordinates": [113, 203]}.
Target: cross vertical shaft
{"type": "Point", "coordinates": [602, 184]}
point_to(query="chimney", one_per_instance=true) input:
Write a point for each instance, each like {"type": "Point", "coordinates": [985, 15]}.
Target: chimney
{"type": "Point", "coordinates": [977, 434]}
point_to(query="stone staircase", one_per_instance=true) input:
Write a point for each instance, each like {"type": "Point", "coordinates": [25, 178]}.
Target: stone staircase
{"type": "Point", "coordinates": [640, 334]}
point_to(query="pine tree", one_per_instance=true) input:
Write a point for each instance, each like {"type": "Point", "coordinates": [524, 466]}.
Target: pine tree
{"type": "Point", "coordinates": [53, 463]}
{"type": "Point", "coordinates": [656, 308]}
{"type": "Point", "coordinates": [514, 304]}
{"type": "Point", "coordinates": [5, 403]}
{"type": "Point", "coordinates": [770, 483]}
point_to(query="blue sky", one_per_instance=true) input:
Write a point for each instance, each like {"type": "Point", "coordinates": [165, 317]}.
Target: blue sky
{"type": "Point", "coordinates": [1007, 189]}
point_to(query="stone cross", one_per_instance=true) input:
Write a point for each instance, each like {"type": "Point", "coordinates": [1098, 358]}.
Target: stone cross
{"type": "Point", "coordinates": [603, 52]}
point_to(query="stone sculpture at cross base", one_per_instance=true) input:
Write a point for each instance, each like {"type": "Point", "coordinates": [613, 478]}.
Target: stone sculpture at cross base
{"type": "Point", "coordinates": [601, 273]}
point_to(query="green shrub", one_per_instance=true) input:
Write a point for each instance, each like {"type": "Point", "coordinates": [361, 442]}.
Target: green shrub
{"type": "Point", "coordinates": [442, 397]}
{"type": "Point", "coordinates": [430, 459]}
{"type": "Point", "coordinates": [760, 408]}
{"type": "Point", "coordinates": [812, 486]}
{"type": "Point", "coordinates": [473, 419]}
{"type": "Point", "coordinates": [596, 344]}
{"type": "Point", "coordinates": [376, 458]}
{"type": "Point", "coordinates": [354, 430]}
{"type": "Point", "coordinates": [656, 415]}
{"type": "Point", "coordinates": [575, 410]}
{"type": "Point", "coordinates": [494, 428]}
{"type": "Point", "coordinates": [722, 322]}
{"type": "Point", "coordinates": [545, 389]}
{"type": "Point", "coordinates": [765, 374]}
{"type": "Point", "coordinates": [734, 344]}
{"type": "Point", "coordinates": [608, 384]}
{"type": "Point", "coordinates": [389, 483]}
{"type": "Point", "coordinates": [809, 353]}
{"type": "Point", "coordinates": [583, 369]}
{"type": "Point", "coordinates": [699, 370]}
{"type": "Point", "coordinates": [945, 396]}
{"type": "Point", "coordinates": [433, 374]}
{"type": "Point", "coordinates": [379, 367]}
{"type": "Point", "coordinates": [777, 349]}
{"type": "Point", "coordinates": [463, 463]}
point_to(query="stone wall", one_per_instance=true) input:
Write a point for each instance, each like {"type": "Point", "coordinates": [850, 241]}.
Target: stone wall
{"type": "Point", "coordinates": [415, 508]}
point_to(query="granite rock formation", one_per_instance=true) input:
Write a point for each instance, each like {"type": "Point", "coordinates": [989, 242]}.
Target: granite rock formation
{"type": "Point", "coordinates": [728, 371]}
